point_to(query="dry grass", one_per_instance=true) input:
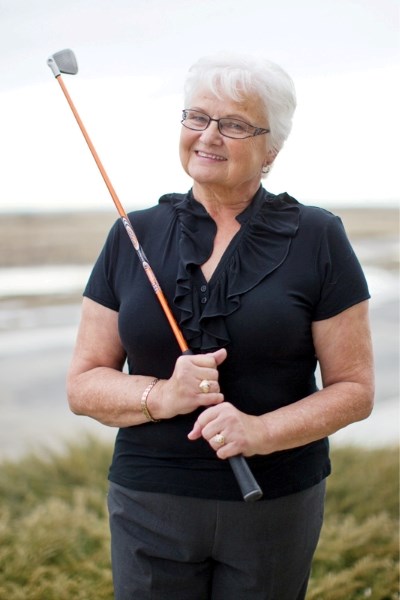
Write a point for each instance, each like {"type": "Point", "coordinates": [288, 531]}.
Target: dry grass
{"type": "Point", "coordinates": [54, 540]}
{"type": "Point", "coordinates": [358, 553]}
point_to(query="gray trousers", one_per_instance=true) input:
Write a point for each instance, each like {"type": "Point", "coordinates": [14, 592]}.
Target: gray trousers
{"type": "Point", "coordinates": [168, 547]}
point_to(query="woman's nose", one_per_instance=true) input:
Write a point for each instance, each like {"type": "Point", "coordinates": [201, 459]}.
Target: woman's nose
{"type": "Point", "coordinates": [212, 132]}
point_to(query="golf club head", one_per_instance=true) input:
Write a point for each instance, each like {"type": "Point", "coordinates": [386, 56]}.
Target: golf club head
{"type": "Point", "coordinates": [63, 61]}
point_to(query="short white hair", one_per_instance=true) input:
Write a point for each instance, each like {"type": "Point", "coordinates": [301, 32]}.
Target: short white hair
{"type": "Point", "coordinates": [239, 76]}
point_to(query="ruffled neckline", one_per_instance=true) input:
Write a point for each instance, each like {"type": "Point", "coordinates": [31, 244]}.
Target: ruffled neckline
{"type": "Point", "coordinates": [268, 225]}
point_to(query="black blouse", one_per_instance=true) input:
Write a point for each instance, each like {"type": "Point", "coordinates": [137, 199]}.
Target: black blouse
{"type": "Point", "coordinates": [288, 265]}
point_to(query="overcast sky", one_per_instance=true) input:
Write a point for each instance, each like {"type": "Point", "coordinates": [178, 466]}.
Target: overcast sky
{"type": "Point", "coordinates": [133, 55]}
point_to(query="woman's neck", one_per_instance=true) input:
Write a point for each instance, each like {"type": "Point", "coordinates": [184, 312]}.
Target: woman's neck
{"type": "Point", "coordinates": [222, 204]}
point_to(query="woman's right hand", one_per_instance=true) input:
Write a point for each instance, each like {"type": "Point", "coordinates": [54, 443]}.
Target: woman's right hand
{"type": "Point", "coordinates": [98, 387]}
{"type": "Point", "coordinates": [181, 394]}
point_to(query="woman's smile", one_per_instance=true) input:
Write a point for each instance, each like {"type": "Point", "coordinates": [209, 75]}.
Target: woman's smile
{"type": "Point", "coordinates": [208, 155]}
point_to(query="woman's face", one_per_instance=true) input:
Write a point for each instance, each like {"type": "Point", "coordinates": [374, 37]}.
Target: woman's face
{"type": "Point", "coordinates": [214, 160]}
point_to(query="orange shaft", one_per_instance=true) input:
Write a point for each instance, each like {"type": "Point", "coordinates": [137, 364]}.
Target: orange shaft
{"type": "Point", "coordinates": [149, 272]}
{"type": "Point", "coordinates": [108, 183]}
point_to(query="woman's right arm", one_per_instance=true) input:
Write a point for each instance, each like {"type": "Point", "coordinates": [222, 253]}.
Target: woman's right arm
{"type": "Point", "coordinates": [98, 388]}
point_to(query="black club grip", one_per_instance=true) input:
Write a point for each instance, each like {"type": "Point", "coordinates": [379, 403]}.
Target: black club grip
{"type": "Point", "coordinates": [249, 487]}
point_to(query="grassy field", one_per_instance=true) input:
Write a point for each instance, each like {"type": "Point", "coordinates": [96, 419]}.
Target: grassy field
{"type": "Point", "coordinates": [54, 540]}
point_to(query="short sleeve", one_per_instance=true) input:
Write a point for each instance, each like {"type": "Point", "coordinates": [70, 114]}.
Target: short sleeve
{"type": "Point", "coordinates": [100, 286]}
{"type": "Point", "coordinates": [342, 281]}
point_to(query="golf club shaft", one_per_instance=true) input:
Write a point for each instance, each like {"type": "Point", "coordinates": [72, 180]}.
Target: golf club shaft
{"type": "Point", "coordinates": [249, 487]}
{"type": "Point", "coordinates": [127, 224]}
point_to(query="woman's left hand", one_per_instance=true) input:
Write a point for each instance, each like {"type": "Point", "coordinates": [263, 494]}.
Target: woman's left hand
{"type": "Point", "coordinates": [229, 431]}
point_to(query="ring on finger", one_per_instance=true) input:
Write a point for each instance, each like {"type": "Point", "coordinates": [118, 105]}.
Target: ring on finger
{"type": "Point", "coordinates": [219, 439]}
{"type": "Point", "coordinates": [205, 386]}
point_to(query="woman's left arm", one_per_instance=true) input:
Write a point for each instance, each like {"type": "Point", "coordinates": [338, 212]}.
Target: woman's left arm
{"type": "Point", "coordinates": [344, 350]}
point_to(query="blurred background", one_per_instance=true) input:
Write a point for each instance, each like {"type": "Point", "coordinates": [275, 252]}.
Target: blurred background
{"type": "Point", "coordinates": [55, 210]}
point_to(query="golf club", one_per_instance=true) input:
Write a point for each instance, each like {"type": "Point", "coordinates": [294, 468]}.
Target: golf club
{"type": "Point", "coordinates": [64, 61]}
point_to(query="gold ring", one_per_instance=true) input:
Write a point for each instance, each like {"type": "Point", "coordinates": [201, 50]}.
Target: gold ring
{"type": "Point", "coordinates": [219, 439]}
{"type": "Point", "coordinates": [205, 386]}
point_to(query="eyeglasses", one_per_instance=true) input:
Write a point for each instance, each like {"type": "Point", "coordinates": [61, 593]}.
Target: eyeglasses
{"type": "Point", "coordinates": [231, 128]}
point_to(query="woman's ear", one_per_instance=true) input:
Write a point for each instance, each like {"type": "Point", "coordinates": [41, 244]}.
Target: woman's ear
{"type": "Point", "coordinates": [271, 156]}
{"type": "Point", "coordinates": [269, 159]}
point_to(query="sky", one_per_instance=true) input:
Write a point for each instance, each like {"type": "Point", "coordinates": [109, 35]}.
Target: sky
{"type": "Point", "coordinates": [343, 56]}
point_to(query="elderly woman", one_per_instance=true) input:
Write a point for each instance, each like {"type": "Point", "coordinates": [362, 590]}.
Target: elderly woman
{"type": "Point", "coordinates": [263, 288]}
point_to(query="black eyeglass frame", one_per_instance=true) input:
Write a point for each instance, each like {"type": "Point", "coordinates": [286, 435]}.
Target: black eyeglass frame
{"type": "Point", "coordinates": [257, 130]}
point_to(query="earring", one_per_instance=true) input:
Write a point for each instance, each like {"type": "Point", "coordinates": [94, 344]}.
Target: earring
{"type": "Point", "coordinates": [265, 169]}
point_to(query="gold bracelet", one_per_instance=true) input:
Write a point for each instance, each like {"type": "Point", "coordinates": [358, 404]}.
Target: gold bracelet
{"type": "Point", "coordinates": [143, 402]}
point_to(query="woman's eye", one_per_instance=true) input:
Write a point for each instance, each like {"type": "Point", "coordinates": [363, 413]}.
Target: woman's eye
{"type": "Point", "coordinates": [199, 119]}
{"type": "Point", "coordinates": [235, 126]}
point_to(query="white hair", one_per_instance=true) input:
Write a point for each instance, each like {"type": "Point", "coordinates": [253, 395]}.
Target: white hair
{"type": "Point", "coordinates": [240, 76]}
